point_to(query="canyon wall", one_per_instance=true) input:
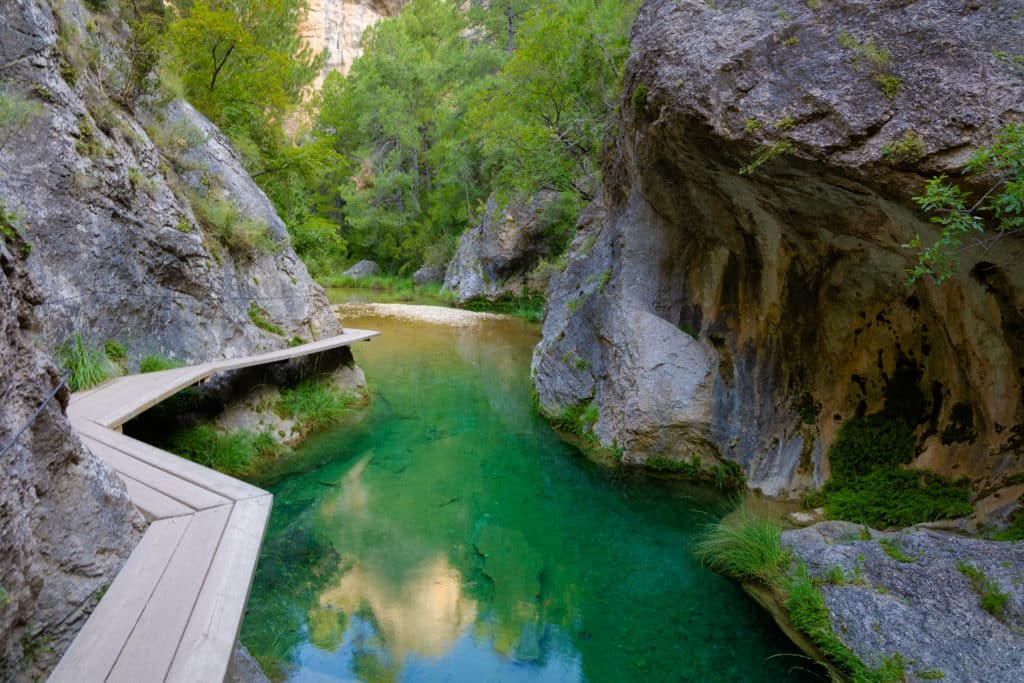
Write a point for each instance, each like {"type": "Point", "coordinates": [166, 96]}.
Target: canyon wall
{"type": "Point", "coordinates": [747, 316]}
{"type": "Point", "coordinates": [338, 26]}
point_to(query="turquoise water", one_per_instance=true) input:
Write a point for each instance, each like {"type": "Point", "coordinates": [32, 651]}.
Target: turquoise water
{"type": "Point", "coordinates": [445, 533]}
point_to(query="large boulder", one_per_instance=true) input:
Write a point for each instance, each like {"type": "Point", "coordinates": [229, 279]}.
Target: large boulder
{"type": "Point", "coordinates": [918, 594]}
{"type": "Point", "coordinates": [426, 274]}
{"type": "Point", "coordinates": [67, 523]}
{"type": "Point", "coordinates": [748, 315]}
{"type": "Point", "coordinates": [364, 268]}
{"type": "Point", "coordinates": [143, 221]}
{"type": "Point", "coordinates": [494, 257]}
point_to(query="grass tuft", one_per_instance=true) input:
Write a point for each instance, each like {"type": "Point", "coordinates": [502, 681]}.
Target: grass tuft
{"type": "Point", "coordinates": [991, 599]}
{"type": "Point", "coordinates": [232, 453]}
{"type": "Point", "coordinates": [892, 548]}
{"type": "Point", "coordinates": [744, 547]}
{"type": "Point", "coordinates": [87, 364]}
{"type": "Point", "coordinates": [155, 363]}
{"type": "Point", "coordinates": [261, 319]}
{"type": "Point", "coordinates": [314, 404]}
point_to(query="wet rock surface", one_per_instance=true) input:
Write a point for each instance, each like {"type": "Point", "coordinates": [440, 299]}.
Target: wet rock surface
{"type": "Point", "coordinates": [748, 315]}
{"type": "Point", "coordinates": [923, 608]}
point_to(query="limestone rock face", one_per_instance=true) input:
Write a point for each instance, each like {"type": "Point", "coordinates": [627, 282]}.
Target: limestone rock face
{"type": "Point", "coordinates": [494, 256]}
{"type": "Point", "coordinates": [925, 609]}
{"type": "Point", "coordinates": [338, 26]}
{"type": "Point", "coordinates": [116, 221]}
{"type": "Point", "coordinates": [746, 316]}
{"type": "Point", "coordinates": [67, 524]}
{"type": "Point", "coordinates": [364, 268]}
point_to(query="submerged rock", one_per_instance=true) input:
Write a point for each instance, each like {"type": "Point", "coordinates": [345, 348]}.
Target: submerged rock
{"type": "Point", "coordinates": [912, 594]}
{"type": "Point", "coordinates": [364, 268]}
{"type": "Point", "coordinates": [748, 315]}
{"type": "Point", "coordinates": [495, 256]}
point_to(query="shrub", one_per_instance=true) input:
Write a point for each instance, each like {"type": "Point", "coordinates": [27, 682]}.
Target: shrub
{"type": "Point", "coordinates": [15, 113]}
{"type": "Point", "coordinates": [1014, 531]}
{"type": "Point", "coordinates": [865, 443]}
{"type": "Point", "coordinates": [114, 351]}
{"type": "Point", "coordinates": [744, 547]}
{"type": "Point", "coordinates": [241, 235]}
{"type": "Point", "coordinates": [897, 497]}
{"type": "Point", "coordinates": [314, 404]}
{"type": "Point", "coordinates": [87, 364]}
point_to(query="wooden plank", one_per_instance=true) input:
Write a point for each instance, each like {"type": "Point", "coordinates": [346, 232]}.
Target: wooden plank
{"type": "Point", "coordinates": [97, 646]}
{"type": "Point", "coordinates": [151, 503]}
{"type": "Point", "coordinates": [221, 484]}
{"type": "Point", "coordinates": [125, 401]}
{"type": "Point", "coordinates": [350, 337]}
{"type": "Point", "coordinates": [195, 497]}
{"type": "Point", "coordinates": [148, 652]}
{"type": "Point", "coordinates": [210, 636]}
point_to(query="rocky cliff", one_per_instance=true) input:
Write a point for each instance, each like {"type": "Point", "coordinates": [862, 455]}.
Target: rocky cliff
{"type": "Point", "coordinates": [495, 257]}
{"type": "Point", "coordinates": [142, 221]}
{"type": "Point", "coordinates": [338, 25]}
{"type": "Point", "coordinates": [67, 525]}
{"type": "Point", "coordinates": [746, 316]}
{"type": "Point", "coordinates": [122, 218]}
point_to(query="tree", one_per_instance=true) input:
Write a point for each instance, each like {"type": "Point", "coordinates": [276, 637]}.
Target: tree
{"type": "Point", "coordinates": [1000, 208]}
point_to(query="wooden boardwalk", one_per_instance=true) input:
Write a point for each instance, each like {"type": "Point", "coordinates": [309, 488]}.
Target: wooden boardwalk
{"type": "Point", "coordinates": [174, 610]}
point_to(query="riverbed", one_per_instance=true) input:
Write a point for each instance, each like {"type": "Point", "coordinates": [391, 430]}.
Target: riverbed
{"type": "Point", "coordinates": [446, 533]}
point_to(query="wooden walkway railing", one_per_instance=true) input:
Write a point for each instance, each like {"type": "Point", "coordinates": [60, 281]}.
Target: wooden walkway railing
{"type": "Point", "coordinates": [174, 610]}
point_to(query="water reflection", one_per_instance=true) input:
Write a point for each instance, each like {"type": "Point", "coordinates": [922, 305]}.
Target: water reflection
{"type": "Point", "coordinates": [450, 535]}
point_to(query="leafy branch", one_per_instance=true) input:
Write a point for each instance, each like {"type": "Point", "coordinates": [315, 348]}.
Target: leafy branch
{"type": "Point", "coordinates": [1001, 206]}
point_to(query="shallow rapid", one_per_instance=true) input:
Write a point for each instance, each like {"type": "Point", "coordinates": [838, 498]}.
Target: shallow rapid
{"type": "Point", "coordinates": [446, 533]}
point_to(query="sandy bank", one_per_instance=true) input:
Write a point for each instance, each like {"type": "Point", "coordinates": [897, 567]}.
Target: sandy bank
{"type": "Point", "coordinates": [429, 314]}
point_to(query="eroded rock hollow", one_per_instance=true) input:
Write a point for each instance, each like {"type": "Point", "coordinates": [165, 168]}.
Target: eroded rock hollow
{"type": "Point", "coordinates": [746, 316]}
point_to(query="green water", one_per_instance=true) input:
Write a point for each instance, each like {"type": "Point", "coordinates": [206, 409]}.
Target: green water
{"type": "Point", "coordinates": [445, 533]}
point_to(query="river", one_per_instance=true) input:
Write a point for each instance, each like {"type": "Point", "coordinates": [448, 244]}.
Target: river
{"type": "Point", "coordinates": [446, 533]}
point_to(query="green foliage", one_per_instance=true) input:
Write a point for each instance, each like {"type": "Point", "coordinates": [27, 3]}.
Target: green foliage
{"type": "Point", "coordinates": [16, 112]}
{"type": "Point", "coordinates": [865, 443]}
{"type": "Point", "coordinates": [809, 614]}
{"type": "Point", "coordinates": [232, 453]}
{"type": "Point", "coordinates": [155, 363]}
{"type": "Point", "coordinates": [579, 420]}
{"type": "Point", "coordinates": [930, 674]}
{"type": "Point", "coordinates": [765, 153]}
{"type": "Point", "coordinates": [1000, 208]}
{"type": "Point", "coordinates": [225, 222]}
{"type": "Point", "coordinates": [87, 364]}
{"type": "Point", "coordinates": [115, 351]}
{"type": "Point", "coordinates": [892, 548]}
{"type": "Point", "coordinates": [909, 148]}
{"type": "Point", "coordinates": [261, 319]}
{"type": "Point", "coordinates": [744, 547]}
{"type": "Point", "coordinates": [639, 100]}
{"type": "Point", "coordinates": [897, 497]}
{"type": "Point", "coordinates": [876, 59]}
{"type": "Point", "coordinates": [5, 597]}
{"type": "Point", "coordinates": [448, 107]}
{"type": "Point", "coordinates": [991, 599]}
{"type": "Point", "coordinates": [529, 307]}
{"type": "Point", "coordinates": [1014, 531]}
{"type": "Point", "coordinates": [869, 486]}
{"type": "Point", "coordinates": [314, 404]}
